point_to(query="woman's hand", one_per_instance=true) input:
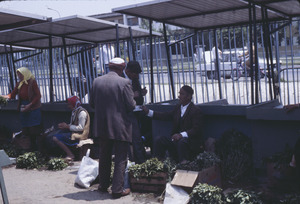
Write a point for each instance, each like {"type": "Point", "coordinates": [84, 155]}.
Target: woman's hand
{"type": "Point", "coordinates": [26, 108]}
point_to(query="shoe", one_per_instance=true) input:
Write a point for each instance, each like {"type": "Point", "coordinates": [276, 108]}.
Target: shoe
{"type": "Point", "coordinates": [103, 190]}
{"type": "Point", "coordinates": [125, 192]}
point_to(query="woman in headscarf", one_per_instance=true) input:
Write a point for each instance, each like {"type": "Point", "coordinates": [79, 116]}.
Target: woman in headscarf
{"type": "Point", "coordinates": [29, 106]}
{"type": "Point", "coordinates": [77, 129]}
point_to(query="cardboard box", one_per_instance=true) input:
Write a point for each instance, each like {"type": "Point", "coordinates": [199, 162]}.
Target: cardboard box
{"type": "Point", "coordinates": [189, 179]}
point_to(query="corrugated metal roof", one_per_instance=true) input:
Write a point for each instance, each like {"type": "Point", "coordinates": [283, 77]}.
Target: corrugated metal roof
{"type": "Point", "coordinates": [203, 14]}
{"type": "Point", "coordinates": [12, 19]}
{"type": "Point", "coordinates": [76, 30]}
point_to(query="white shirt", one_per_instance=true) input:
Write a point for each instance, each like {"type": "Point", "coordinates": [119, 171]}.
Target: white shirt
{"type": "Point", "coordinates": [182, 112]}
{"type": "Point", "coordinates": [81, 122]}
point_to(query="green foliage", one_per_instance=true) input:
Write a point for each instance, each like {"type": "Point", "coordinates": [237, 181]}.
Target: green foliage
{"type": "Point", "coordinates": [202, 161]}
{"type": "Point", "coordinates": [208, 194]}
{"type": "Point", "coordinates": [235, 151]}
{"type": "Point", "coordinates": [3, 101]}
{"type": "Point", "coordinates": [243, 197]}
{"type": "Point", "coordinates": [170, 167]}
{"type": "Point", "coordinates": [56, 164]}
{"type": "Point", "coordinates": [291, 199]}
{"type": "Point", "coordinates": [150, 167]}
{"type": "Point", "coordinates": [29, 160]}
{"type": "Point", "coordinates": [281, 158]}
{"type": "Point", "coordinates": [11, 151]}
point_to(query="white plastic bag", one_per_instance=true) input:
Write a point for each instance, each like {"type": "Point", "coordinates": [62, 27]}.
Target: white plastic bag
{"type": "Point", "coordinates": [87, 172]}
{"type": "Point", "coordinates": [175, 195]}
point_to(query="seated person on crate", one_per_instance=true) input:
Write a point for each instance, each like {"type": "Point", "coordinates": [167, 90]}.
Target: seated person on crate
{"type": "Point", "coordinates": [185, 143]}
{"type": "Point", "coordinates": [77, 130]}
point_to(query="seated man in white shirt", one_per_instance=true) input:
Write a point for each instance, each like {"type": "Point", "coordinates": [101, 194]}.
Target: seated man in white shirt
{"type": "Point", "coordinates": [78, 129]}
{"type": "Point", "coordinates": [186, 140]}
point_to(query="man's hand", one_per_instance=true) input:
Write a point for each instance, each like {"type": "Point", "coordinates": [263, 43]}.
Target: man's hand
{"type": "Point", "coordinates": [144, 91]}
{"type": "Point", "coordinates": [145, 109]}
{"type": "Point", "coordinates": [289, 108]}
{"type": "Point", "coordinates": [63, 126]}
{"type": "Point", "coordinates": [176, 137]}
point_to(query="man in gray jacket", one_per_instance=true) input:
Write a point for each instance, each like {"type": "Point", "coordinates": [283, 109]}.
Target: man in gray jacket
{"type": "Point", "coordinates": [112, 99]}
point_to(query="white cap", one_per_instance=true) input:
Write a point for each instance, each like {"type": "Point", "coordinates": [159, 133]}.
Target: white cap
{"type": "Point", "coordinates": [117, 60]}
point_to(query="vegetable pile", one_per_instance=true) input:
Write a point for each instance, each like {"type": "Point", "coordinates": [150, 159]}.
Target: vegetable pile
{"type": "Point", "coordinates": [235, 152]}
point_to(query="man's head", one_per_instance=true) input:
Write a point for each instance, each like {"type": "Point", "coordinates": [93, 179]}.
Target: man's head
{"type": "Point", "coordinates": [133, 69]}
{"type": "Point", "coordinates": [185, 95]}
{"type": "Point", "coordinates": [117, 65]}
{"type": "Point", "coordinates": [73, 102]}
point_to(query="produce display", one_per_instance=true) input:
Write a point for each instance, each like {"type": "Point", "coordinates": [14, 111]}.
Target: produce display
{"type": "Point", "coordinates": [3, 101]}
{"type": "Point", "coordinates": [34, 160]}
{"type": "Point", "coordinates": [150, 167]}
{"type": "Point", "coordinates": [204, 193]}
{"type": "Point", "coordinates": [56, 164]}
{"type": "Point", "coordinates": [202, 161]}
{"type": "Point", "coordinates": [235, 151]}
{"type": "Point", "coordinates": [241, 196]}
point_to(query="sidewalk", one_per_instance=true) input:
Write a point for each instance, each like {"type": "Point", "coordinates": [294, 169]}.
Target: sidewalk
{"type": "Point", "coordinates": [49, 187]}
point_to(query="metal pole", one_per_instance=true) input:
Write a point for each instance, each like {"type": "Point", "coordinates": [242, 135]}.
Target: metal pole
{"type": "Point", "coordinates": [3, 189]}
{"type": "Point", "coordinates": [271, 54]}
{"type": "Point", "coordinates": [251, 52]}
{"type": "Point", "coordinates": [256, 56]}
{"type": "Point", "coordinates": [217, 64]}
{"type": "Point", "coordinates": [169, 61]}
{"type": "Point", "coordinates": [132, 44]}
{"type": "Point", "coordinates": [266, 44]}
{"type": "Point", "coordinates": [151, 63]}
{"type": "Point", "coordinates": [51, 69]}
{"type": "Point", "coordinates": [117, 40]}
{"type": "Point", "coordinates": [68, 67]}
{"type": "Point", "coordinates": [10, 71]}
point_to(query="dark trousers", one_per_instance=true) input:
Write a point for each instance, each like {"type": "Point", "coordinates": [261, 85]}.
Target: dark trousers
{"type": "Point", "coordinates": [178, 150]}
{"type": "Point", "coordinates": [297, 158]}
{"type": "Point", "coordinates": [138, 154]}
{"type": "Point", "coordinates": [35, 135]}
{"type": "Point", "coordinates": [120, 151]}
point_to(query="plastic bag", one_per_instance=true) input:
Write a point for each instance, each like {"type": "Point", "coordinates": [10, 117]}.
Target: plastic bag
{"type": "Point", "coordinates": [87, 172]}
{"type": "Point", "coordinates": [175, 195]}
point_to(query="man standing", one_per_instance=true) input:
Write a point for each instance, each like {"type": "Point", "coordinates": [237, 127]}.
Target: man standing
{"type": "Point", "coordinates": [186, 141]}
{"type": "Point", "coordinates": [112, 99]}
{"type": "Point", "coordinates": [132, 71]}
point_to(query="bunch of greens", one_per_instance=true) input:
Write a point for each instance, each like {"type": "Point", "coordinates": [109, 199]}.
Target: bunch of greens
{"type": "Point", "coordinates": [148, 168]}
{"type": "Point", "coordinates": [202, 161]}
{"type": "Point", "coordinates": [241, 196]}
{"type": "Point", "coordinates": [56, 164]}
{"type": "Point", "coordinates": [35, 160]}
{"type": "Point", "coordinates": [281, 158]}
{"type": "Point", "coordinates": [235, 152]}
{"type": "Point", "coordinates": [204, 193]}
{"type": "Point", "coordinates": [3, 101]}
{"type": "Point", "coordinates": [11, 151]}
{"type": "Point", "coordinates": [170, 167]}
{"type": "Point", "coordinates": [293, 198]}
{"type": "Point", "coordinates": [30, 160]}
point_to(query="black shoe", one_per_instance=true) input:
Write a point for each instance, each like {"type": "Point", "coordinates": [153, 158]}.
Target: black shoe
{"type": "Point", "coordinates": [125, 192]}
{"type": "Point", "coordinates": [103, 190]}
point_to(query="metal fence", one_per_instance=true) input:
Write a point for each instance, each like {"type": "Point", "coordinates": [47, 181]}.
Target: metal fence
{"type": "Point", "coordinates": [193, 62]}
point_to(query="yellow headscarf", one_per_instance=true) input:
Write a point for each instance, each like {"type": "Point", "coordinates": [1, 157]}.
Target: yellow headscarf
{"type": "Point", "coordinates": [27, 75]}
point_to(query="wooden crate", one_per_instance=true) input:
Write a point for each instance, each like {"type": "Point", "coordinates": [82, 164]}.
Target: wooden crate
{"type": "Point", "coordinates": [153, 184]}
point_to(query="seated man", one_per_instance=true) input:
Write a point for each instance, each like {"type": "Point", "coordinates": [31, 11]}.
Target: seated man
{"type": "Point", "coordinates": [78, 129]}
{"type": "Point", "coordinates": [185, 142]}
